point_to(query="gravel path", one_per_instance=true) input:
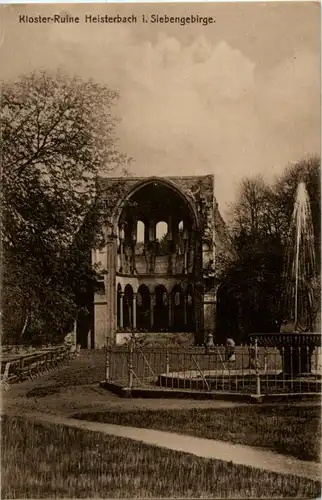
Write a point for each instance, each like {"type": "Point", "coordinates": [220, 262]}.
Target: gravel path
{"type": "Point", "coordinates": [206, 448]}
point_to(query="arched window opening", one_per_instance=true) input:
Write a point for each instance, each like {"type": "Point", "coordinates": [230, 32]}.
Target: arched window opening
{"type": "Point", "coordinates": [161, 230]}
{"type": "Point", "coordinates": [162, 238]}
{"type": "Point", "coordinates": [140, 231]}
{"type": "Point", "coordinates": [140, 238]}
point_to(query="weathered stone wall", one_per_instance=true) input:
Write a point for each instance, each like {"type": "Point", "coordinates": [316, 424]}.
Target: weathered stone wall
{"type": "Point", "coordinates": [211, 240]}
{"type": "Point", "coordinates": [198, 190]}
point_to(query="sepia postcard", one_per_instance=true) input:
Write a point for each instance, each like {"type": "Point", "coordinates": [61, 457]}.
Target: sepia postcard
{"type": "Point", "coordinates": [160, 250]}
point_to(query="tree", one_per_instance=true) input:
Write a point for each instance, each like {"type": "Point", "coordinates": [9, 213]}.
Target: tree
{"type": "Point", "coordinates": [250, 298]}
{"type": "Point", "coordinates": [58, 133]}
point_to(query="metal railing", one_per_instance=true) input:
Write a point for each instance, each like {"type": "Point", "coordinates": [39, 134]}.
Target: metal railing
{"type": "Point", "coordinates": [18, 367]}
{"type": "Point", "coordinates": [251, 369]}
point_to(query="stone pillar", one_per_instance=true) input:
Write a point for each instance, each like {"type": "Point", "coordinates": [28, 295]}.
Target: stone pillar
{"type": "Point", "coordinates": [152, 303]}
{"type": "Point", "coordinates": [152, 230]}
{"type": "Point", "coordinates": [170, 243]}
{"type": "Point", "coordinates": [121, 256]}
{"type": "Point", "coordinates": [146, 232]}
{"type": "Point", "coordinates": [190, 259]}
{"type": "Point", "coordinates": [110, 286]}
{"type": "Point", "coordinates": [147, 257]}
{"type": "Point", "coordinates": [185, 250]}
{"type": "Point", "coordinates": [134, 309]}
{"type": "Point", "coordinates": [174, 263]}
{"type": "Point", "coordinates": [134, 232]}
{"type": "Point", "coordinates": [185, 262]}
{"type": "Point", "coordinates": [170, 263]}
{"type": "Point", "coordinates": [121, 309]}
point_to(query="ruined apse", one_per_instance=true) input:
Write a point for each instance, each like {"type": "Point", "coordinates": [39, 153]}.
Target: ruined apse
{"type": "Point", "coordinates": [158, 262]}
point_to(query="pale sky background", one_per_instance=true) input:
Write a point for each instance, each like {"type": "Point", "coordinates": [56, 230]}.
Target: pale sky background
{"type": "Point", "coordinates": [236, 98]}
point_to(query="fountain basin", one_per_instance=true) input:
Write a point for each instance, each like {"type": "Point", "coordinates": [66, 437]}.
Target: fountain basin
{"type": "Point", "coordinates": [296, 349]}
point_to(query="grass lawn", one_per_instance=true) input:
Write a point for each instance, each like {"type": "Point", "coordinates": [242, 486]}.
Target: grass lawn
{"type": "Point", "coordinates": [286, 429]}
{"type": "Point", "coordinates": [46, 461]}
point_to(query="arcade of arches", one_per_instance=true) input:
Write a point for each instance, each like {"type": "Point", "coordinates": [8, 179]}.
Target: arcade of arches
{"type": "Point", "coordinates": [158, 258]}
{"type": "Point", "coordinates": [158, 311]}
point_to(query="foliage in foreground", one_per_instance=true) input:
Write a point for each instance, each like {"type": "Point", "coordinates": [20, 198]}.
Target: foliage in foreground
{"type": "Point", "coordinates": [52, 461]}
{"type": "Point", "coordinates": [58, 134]}
{"type": "Point", "coordinates": [286, 429]}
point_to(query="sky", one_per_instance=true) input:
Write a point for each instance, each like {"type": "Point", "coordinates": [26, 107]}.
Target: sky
{"type": "Point", "coordinates": [236, 98]}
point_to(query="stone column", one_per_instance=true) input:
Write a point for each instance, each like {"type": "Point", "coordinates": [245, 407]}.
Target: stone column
{"type": "Point", "coordinates": [170, 243]}
{"type": "Point", "coordinates": [146, 231]}
{"type": "Point", "coordinates": [185, 262]}
{"type": "Point", "coordinates": [152, 230]}
{"type": "Point", "coordinates": [121, 238]}
{"type": "Point", "coordinates": [134, 232]}
{"type": "Point", "coordinates": [152, 303]}
{"type": "Point", "coordinates": [134, 309]}
{"type": "Point", "coordinates": [110, 287]}
{"type": "Point", "coordinates": [121, 309]}
{"type": "Point", "coordinates": [185, 250]}
{"type": "Point", "coordinates": [170, 263]}
{"type": "Point", "coordinates": [190, 259]}
{"type": "Point", "coordinates": [152, 236]}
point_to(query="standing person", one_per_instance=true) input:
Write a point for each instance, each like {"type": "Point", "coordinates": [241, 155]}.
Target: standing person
{"type": "Point", "coordinates": [230, 350]}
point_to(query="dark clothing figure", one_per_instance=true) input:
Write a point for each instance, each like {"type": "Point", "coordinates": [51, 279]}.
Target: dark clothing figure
{"type": "Point", "coordinates": [230, 350]}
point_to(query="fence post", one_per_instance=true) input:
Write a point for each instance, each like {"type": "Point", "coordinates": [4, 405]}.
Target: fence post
{"type": "Point", "coordinates": [167, 361]}
{"type": "Point", "coordinates": [130, 365]}
{"type": "Point", "coordinates": [258, 382]}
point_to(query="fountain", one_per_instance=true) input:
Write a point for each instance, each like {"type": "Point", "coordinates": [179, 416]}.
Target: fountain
{"type": "Point", "coordinates": [296, 340]}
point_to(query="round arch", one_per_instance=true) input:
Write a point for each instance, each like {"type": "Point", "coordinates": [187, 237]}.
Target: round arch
{"type": "Point", "coordinates": [164, 182]}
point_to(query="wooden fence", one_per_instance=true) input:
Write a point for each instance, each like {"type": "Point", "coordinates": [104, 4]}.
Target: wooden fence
{"type": "Point", "coordinates": [18, 367]}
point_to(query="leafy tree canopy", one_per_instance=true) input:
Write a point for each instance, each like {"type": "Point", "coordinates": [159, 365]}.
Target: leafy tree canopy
{"type": "Point", "coordinates": [250, 298]}
{"type": "Point", "coordinates": [58, 134]}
